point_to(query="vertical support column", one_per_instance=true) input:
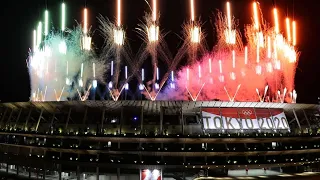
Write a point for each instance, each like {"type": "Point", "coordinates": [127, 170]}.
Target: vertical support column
{"type": "Point", "coordinates": [68, 118]}
{"type": "Point", "coordinates": [85, 117]}
{"type": "Point", "coordinates": [121, 121]}
{"type": "Point", "coordinates": [59, 171]}
{"type": "Point", "coordinates": [161, 120]}
{"type": "Point", "coordinates": [182, 121]}
{"type": "Point", "coordinates": [52, 119]}
{"type": "Point", "coordinates": [201, 121]}
{"type": "Point", "coordinates": [44, 172]}
{"type": "Point", "coordinates": [39, 119]}
{"type": "Point", "coordinates": [141, 123]}
{"type": "Point", "coordinates": [17, 170]}
{"type": "Point", "coordinates": [184, 174]}
{"type": "Point", "coordinates": [118, 173]}
{"type": "Point", "coordinates": [9, 119]}
{"type": "Point", "coordinates": [60, 168]}
{"type": "Point", "coordinates": [4, 115]}
{"type": "Point", "coordinates": [27, 120]}
{"type": "Point", "coordinates": [102, 120]}
{"type": "Point", "coordinates": [296, 117]}
{"type": "Point", "coordinates": [17, 119]}
{"type": "Point", "coordinates": [221, 116]}
{"type": "Point", "coordinates": [97, 169]}
{"type": "Point", "coordinates": [307, 119]}
{"type": "Point", "coordinates": [78, 172]}
{"type": "Point", "coordinates": [30, 173]}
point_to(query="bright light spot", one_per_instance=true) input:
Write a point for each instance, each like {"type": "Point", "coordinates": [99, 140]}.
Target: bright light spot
{"type": "Point", "coordinates": [153, 33]}
{"type": "Point", "coordinates": [261, 39]}
{"type": "Point", "coordinates": [172, 86]}
{"type": "Point", "coordinates": [118, 36]}
{"type": "Point", "coordinates": [141, 87]}
{"type": "Point", "coordinates": [230, 36]}
{"type": "Point", "coordinates": [68, 82]}
{"type": "Point", "coordinates": [110, 85]}
{"type": "Point", "coordinates": [156, 86]}
{"type": "Point", "coordinates": [94, 84]}
{"type": "Point", "coordinates": [126, 86]}
{"type": "Point", "coordinates": [80, 82]}
{"type": "Point", "coordinates": [86, 42]}
{"type": "Point", "coordinates": [63, 47]}
{"type": "Point", "coordinates": [195, 34]}
{"type": "Point", "coordinates": [233, 76]}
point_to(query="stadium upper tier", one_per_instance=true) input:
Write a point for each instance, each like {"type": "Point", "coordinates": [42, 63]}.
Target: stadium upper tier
{"type": "Point", "coordinates": [154, 106]}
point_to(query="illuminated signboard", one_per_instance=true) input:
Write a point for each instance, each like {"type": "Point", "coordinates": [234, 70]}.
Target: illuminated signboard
{"type": "Point", "coordinates": [244, 119]}
{"type": "Point", "coordinates": [148, 174]}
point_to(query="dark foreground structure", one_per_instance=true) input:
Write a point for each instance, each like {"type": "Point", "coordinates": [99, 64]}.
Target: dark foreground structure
{"type": "Point", "coordinates": [159, 140]}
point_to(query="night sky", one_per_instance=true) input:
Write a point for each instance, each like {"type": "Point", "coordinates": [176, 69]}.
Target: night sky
{"type": "Point", "coordinates": [19, 18]}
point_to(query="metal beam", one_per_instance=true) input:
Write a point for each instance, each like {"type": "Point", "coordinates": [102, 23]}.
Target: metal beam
{"type": "Point", "coordinates": [141, 123]}
{"type": "Point", "coordinates": [296, 117]}
{"type": "Point", "coordinates": [27, 120]}
{"type": "Point", "coordinates": [4, 115]}
{"type": "Point", "coordinates": [52, 119]}
{"type": "Point", "coordinates": [68, 118]}
{"type": "Point", "coordinates": [17, 119]}
{"type": "Point", "coordinates": [305, 115]}
{"type": "Point", "coordinates": [182, 121]}
{"type": "Point", "coordinates": [102, 121]}
{"type": "Point", "coordinates": [9, 119]}
{"type": "Point", "coordinates": [39, 119]}
{"type": "Point", "coordinates": [161, 120]}
{"type": "Point", "coordinates": [292, 120]}
{"type": "Point", "coordinates": [85, 117]}
{"type": "Point", "coordinates": [97, 170]}
{"type": "Point", "coordinates": [121, 120]}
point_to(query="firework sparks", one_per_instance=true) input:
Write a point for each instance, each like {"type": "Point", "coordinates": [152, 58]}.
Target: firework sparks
{"type": "Point", "coordinates": [267, 62]}
{"type": "Point", "coordinates": [230, 33]}
{"type": "Point", "coordinates": [63, 17]}
{"type": "Point", "coordinates": [256, 16]}
{"type": "Point", "coordinates": [294, 33]}
{"type": "Point", "coordinates": [46, 22]}
{"type": "Point", "coordinates": [276, 20]}
{"type": "Point", "coordinates": [288, 29]}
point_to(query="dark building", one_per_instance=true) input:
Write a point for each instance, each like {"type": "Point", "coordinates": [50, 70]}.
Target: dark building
{"type": "Point", "coordinates": [164, 139]}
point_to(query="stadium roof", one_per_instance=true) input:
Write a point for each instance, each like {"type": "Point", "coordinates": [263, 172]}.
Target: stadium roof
{"type": "Point", "coordinates": [152, 106]}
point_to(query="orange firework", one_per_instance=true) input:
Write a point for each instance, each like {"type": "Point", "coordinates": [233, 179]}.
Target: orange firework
{"type": "Point", "coordinates": [288, 29]}
{"type": "Point", "coordinates": [294, 33]}
{"type": "Point", "coordinates": [276, 20]}
{"type": "Point", "coordinates": [256, 16]}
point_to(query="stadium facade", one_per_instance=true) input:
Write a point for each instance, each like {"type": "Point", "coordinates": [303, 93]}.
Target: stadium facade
{"type": "Point", "coordinates": [156, 139]}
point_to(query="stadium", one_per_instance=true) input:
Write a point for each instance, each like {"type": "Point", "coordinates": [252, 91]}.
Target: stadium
{"type": "Point", "coordinates": [167, 139]}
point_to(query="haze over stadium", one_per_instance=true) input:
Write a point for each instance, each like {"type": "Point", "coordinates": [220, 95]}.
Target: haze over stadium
{"type": "Point", "coordinates": [259, 67]}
